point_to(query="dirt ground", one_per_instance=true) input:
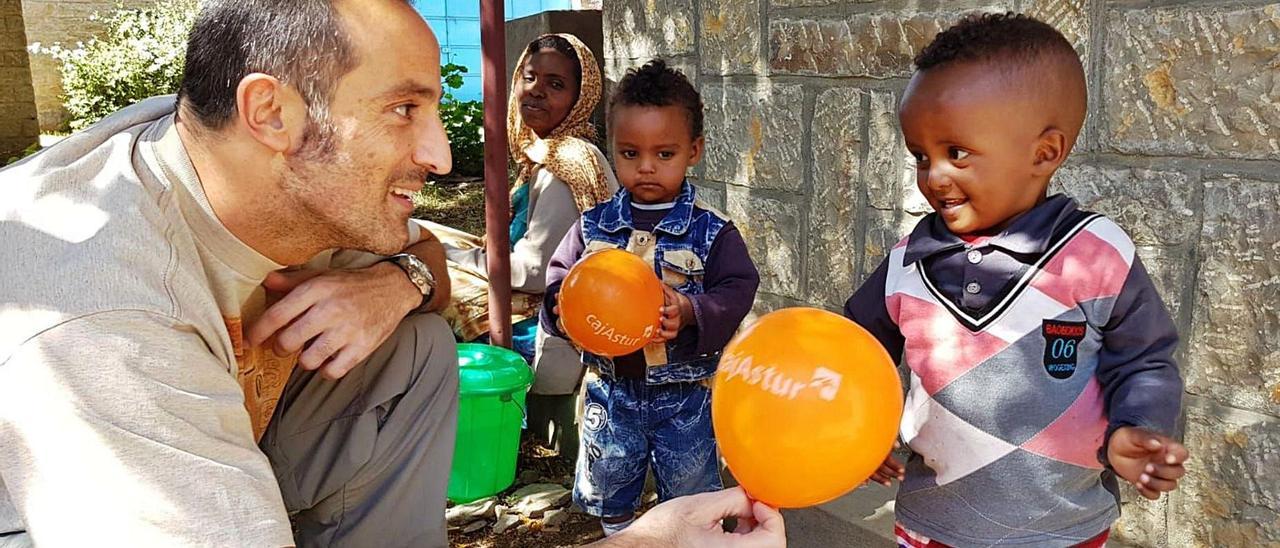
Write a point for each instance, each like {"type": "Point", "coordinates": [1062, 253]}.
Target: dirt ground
{"type": "Point", "coordinates": [456, 202]}
{"type": "Point", "coordinates": [536, 464]}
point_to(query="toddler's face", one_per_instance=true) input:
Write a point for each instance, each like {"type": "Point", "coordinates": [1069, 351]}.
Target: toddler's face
{"type": "Point", "coordinates": [974, 144]}
{"type": "Point", "coordinates": [652, 149]}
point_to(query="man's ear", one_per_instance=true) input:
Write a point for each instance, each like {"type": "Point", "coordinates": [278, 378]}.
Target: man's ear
{"type": "Point", "coordinates": [273, 113]}
{"type": "Point", "coordinates": [1051, 149]}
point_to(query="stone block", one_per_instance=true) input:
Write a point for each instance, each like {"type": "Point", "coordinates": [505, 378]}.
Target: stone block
{"type": "Point", "coordinates": [1070, 17]}
{"type": "Point", "coordinates": [1155, 207]}
{"type": "Point", "coordinates": [615, 68]}
{"type": "Point", "coordinates": [14, 58]}
{"type": "Point", "coordinates": [772, 231]}
{"type": "Point", "coordinates": [838, 118]}
{"type": "Point", "coordinates": [1193, 81]}
{"type": "Point", "coordinates": [10, 127]}
{"type": "Point", "coordinates": [1235, 352]}
{"type": "Point", "coordinates": [1230, 496]}
{"type": "Point", "coordinates": [642, 29]}
{"type": "Point", "coordinates": [711, 195]}
{"type": "Point", "coordinates": [754, 135]}
{"type": "Point", "coordinates": [814, 3]}
{"type": "Point", "coordinates": [891, 170]}
{"type": "Point", "coordinates": [884, 229]}
{"type": "Point", "coordinates": [1167, 267]}
{"type": "Point", "coordinates": [868, 45]}
{"type": "Point", "coordinates": [1142, 522]}
{"type": "Point", "coordinates": [14, 23]}
{"type": "Point", "coordinates": [731, 37]}
{"type": "Point", "coordinates": [768, 302]}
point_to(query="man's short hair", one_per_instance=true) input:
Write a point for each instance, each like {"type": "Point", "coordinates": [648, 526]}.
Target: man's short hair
{"type": "Point", "coordinates": [995, 36]}
{"type": "Point", "coordinates": [657, 85]}
{"type": "Point", "coordinates": [304, 43]}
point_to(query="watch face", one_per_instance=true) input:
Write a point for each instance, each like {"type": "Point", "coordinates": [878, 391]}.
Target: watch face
{"type": "Point", "coordinates": [421, 281]}
{"type": "Point", "coordinates": [417, 271]}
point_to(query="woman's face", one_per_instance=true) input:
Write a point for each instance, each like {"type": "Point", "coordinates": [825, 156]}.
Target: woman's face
{"type": "Point", "coordinates": [547, 90]}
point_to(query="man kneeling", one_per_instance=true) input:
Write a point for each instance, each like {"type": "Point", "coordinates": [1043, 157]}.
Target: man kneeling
{"type": "Point", "coordinates": [186, 357]}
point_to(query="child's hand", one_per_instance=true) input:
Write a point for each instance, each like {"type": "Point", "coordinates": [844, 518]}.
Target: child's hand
{"type": "Point", "coordinates": [555, 309]}
{"type": "Point", "coordinates": [677, 312]}
{"type": "Point", "coordinates": [889, 470]}
{"type": "Point", "coordinates": [1150, 461]}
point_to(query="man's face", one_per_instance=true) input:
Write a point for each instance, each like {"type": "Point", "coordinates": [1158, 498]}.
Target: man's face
{"type": "Point", "coordinates": [356, 172]}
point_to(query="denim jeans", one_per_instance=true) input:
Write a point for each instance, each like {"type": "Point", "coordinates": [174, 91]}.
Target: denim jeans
{"type": "Point", "coordinates": [628, 426]}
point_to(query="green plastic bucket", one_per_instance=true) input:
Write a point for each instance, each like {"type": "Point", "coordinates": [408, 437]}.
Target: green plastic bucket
{"type": "Point", "coordinates": [492, 385]}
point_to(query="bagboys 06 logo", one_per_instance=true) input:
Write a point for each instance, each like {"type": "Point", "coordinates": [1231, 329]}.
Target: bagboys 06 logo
{"type": "Point", "coordinates": [1061, 347]}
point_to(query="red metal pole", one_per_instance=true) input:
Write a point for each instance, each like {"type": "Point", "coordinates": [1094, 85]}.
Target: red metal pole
{"type": "Point", "coordinates": [497, 206]}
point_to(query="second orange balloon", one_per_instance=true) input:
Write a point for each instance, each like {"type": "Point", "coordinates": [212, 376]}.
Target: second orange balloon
{"type": "Point", "coordinates": [806, 405]}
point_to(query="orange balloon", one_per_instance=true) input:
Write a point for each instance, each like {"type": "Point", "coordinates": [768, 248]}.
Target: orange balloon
{"type": "Point", "coordinates": [806, 405]}
{"type": "Point", "coordinates": [610, 303]}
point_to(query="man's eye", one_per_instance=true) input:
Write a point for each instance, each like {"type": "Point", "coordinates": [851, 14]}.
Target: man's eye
{"type": "Point", "coordinates": [957, 153]}
{"type": "Point", "coordinates": [557, 85]}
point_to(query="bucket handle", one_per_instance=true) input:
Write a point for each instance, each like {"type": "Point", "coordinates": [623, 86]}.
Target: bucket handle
{"type": "Point", "coordinates": [524, 412]}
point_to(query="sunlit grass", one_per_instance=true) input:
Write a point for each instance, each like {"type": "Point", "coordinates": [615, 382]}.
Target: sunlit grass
{"type": "Point", "coordinates": [457, 205]}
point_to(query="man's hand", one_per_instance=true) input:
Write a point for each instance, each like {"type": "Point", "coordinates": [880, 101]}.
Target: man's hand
{"type": "Point", "coordinates": [1150, 461]}
{"type": "Point", "coordinates": [338, 317]}
{"type": "Point", "coordinates": [677, 312]}
{"type": "Point", "coordinates": [694, 521]}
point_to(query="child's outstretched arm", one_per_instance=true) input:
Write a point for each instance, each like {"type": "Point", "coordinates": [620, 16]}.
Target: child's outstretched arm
{"type": "Point", "coordinates": [566, 255]}
{"type": "Point", "coordinates": [729, 285]}
{"type": "Point", "coordinates": [867, 308]}
{"type": "Point", "coordinates": [1142, 388]}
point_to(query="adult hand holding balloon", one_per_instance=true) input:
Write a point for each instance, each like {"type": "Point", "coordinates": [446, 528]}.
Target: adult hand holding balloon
{"type": "Point", "coordinates": [806, 405]}
{"type": "Point", "coordinates": [610, 303]}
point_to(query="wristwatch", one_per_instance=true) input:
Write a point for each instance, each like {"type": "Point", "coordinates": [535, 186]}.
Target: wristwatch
{"type": "Point", "coordinates": [418, 274]}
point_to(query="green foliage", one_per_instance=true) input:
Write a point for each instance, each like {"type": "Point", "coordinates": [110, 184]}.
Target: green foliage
{"type": "Point", "coordinates": [34, 148]}
{"type": "Point", "coordinates": [140, 54]}
{"type": "Point", "coordinates": [464, 122]}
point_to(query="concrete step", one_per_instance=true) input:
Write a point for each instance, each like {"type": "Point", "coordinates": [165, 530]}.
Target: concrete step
{"type": "Point", "coordinates": [864, 517]}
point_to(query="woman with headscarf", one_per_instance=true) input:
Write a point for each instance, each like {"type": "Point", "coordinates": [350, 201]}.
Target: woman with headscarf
{"type": "Point", "coordinates": [561, 173]}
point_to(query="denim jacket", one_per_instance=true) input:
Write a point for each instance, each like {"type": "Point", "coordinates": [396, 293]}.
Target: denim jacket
{"type": "Point", "coordinates": [677, 249]}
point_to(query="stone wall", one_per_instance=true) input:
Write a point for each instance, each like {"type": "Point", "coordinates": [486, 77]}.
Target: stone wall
{"type": "Point", "coordinates": [18, 129]}
{"type": "Point", "coordinates": [65, 22]}
{"type": "Point", "coordinates": [1182, 147]}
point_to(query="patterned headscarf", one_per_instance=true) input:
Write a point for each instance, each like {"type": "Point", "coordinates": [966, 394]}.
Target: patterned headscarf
{"type": "Point", "coordinates": [568, 152]}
